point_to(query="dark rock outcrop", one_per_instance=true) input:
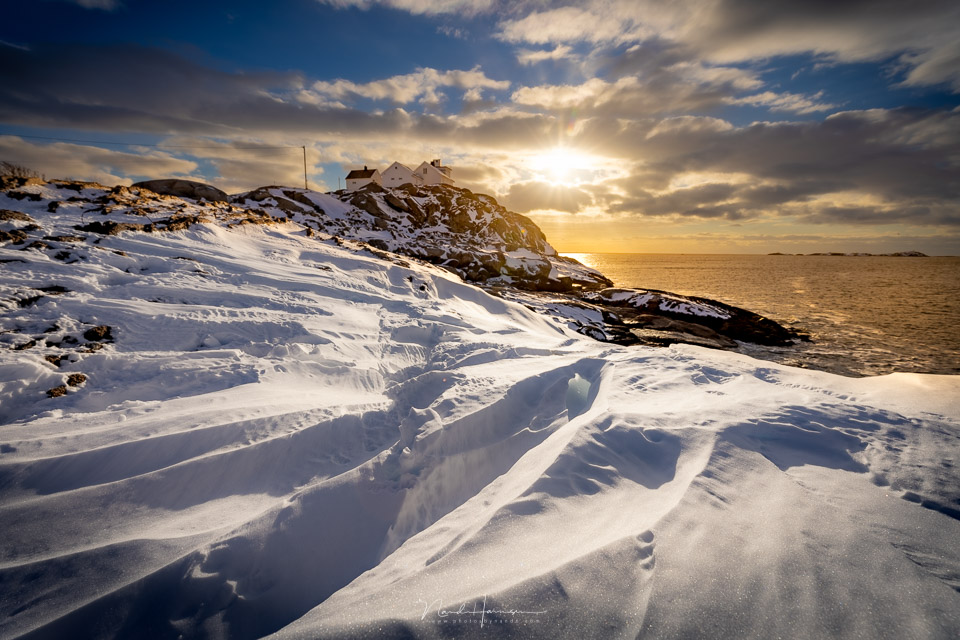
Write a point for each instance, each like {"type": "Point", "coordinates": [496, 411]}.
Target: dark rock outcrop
{"type": "Point", "coordinates": [184, 189]}
{"type": "Point", "coordinates": [635, 316]}
{"type": "Point", "coordinates": [660, 310]}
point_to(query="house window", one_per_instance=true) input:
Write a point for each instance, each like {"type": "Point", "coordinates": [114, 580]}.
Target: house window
{"type": "Point", "coordinates": [424, 171]}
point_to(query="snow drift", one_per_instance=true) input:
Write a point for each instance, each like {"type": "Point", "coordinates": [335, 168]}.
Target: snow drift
{"type": "Point", "coordinates": [279, 433]}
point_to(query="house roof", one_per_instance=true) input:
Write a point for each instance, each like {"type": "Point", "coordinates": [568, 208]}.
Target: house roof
{"type": "Point", "coordinates": [360, 173]}
{"type": "Point", "coordinates": [442, 170]}
{"type": "Point", "coordinates": [400, 165]}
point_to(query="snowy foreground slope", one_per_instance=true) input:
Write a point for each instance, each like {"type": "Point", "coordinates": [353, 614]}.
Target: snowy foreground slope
{"type": "Point", "coordinates": [283, 434]}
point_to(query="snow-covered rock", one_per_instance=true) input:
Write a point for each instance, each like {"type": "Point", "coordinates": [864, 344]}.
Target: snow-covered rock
{"type": "Point", "coordinates": [647, 313]}
{"type": "Point", "coordinates": [184, 189]}
{"type": "Point", "coordinates": [467, 233]}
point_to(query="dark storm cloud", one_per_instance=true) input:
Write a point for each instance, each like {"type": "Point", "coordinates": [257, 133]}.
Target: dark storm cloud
{"type": "Point", "coordinates": [907, 161]}
{"type": "Point", "coordinates": [930, 213]}
{"type": "Point", "coordinates": [124, 87]}
{"type": "Point", "coordinates": [708, 201]}
{"type": "Point", "coordinates": [136, 89]}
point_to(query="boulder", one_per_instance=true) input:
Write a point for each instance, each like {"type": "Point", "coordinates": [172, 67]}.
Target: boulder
{"type": "Point", "coordinates": [396, 203]}
{"type": "Point", "coordinates": [184, 189]}
{"type": "Point", "coordinates": [297, 196]}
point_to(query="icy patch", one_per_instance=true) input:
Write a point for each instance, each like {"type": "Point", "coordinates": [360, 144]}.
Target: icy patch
{"type": "Point", "coordinates": [578, 396]}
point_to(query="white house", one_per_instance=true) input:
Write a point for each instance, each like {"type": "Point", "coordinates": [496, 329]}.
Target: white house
{"type": "Point", "coordinates": [399, 174]}
{"type": "Point", "coordinates": [361, 177]}
{"type": "Point", "coordinates": [434, 172]}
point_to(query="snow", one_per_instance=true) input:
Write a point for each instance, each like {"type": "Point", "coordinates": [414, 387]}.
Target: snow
{"type": "Point", "coordinates": [687, 308]}
{"type": "Point", "coordinates": [291, 436]}
{"type": "Point", "coordinates": [664, 301]}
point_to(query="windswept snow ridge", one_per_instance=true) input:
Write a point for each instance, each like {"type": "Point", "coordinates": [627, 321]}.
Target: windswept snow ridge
{"type": "Point", "coordinates": [262, 431]}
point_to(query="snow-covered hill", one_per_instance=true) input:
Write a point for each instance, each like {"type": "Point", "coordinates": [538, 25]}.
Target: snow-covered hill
{"type": "Point", "coordinates": [467, 234]}
{"type": "Point", "coordinates": [224, 429]}
{"type": "Point", "coordinates": [470, 234]}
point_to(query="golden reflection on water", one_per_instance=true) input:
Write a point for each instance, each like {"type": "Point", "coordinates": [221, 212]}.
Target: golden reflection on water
{"type": "Point", "coordinates": [867, 315]}
{"type": "Point", "coordinates": [588, 259]}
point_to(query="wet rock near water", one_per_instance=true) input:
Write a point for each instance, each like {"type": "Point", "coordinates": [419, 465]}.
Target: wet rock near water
{"type": "Point", "coordinates": [656, 318]}
{"type": "Point", "coordinates": [659, 311]}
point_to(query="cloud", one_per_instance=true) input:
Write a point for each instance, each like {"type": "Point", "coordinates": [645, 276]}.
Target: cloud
{"type": "Point", "coordinates": [14, 45]}
{"type": "Point", "coordinates": [241, 165]}
{"type": "Point", "coordinates": [734, 30]}
{"type": "Point", "coordinates": [792, 102]}
{"type": "Point", "coordinates": [474, 94]}
{"type": "Point", "coordinates": [858, 167]}
{"type": "Point", "coordinates": [452, 32]}
{"type": "Point", "coordinates": [685, 126]}
{"type": "Point", "coordinates": [108, 166]}
{"type": "Point", "coordinates": [162, 93]}
{"type": "Point", "coordinates": [922, 36]}
{"type": "Point", "coordinates": [708, 201]}
{"type": "Point", "coordinates": [420, 7]}
{"type": "Point", "coordinates": [593, 24]}
{"type": "Point", "coordinates": [534, 195]}
{"type": "Point", "coordinates": [423, 85]}
{"type": "Point", "coordinates": [934, 66]}
{"type": "Point", "coordinates": [879, 166]}
{"type": "Point", "coordinates": [237, 166]}
{"type": "Point", "coordinates": [590, 93]}
{"type": "Point", "coordinates": [722, 32]}
{"type": "Point", "coordinates": [106, 5]}
{"type": "Point", "coordinates": [534, 56]}
{"type": "Point", "coordinates": [680, 87]}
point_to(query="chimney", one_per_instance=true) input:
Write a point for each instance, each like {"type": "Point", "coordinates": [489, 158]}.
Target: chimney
{"type": "Point", "coordinates": [365, 167]}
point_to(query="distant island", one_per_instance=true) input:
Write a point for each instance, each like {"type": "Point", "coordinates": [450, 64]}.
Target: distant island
{"type": "Point", "coordinates": [898, 254]}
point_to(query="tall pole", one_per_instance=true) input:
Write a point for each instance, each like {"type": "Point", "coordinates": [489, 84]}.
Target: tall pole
{"type": "Point", "coordinates": [304, 147]}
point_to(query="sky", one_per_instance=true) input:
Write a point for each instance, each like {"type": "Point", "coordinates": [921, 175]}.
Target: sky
{"type": "Point", "coordinates": [648, 126]}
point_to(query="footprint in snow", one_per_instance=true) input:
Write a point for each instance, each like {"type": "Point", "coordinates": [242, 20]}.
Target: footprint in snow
{"type": "Point", "coordinates": [645, 550]}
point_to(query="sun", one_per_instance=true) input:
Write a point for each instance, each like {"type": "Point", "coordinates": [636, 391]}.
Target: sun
{"type": "Point", "coordinates": [562, 165]}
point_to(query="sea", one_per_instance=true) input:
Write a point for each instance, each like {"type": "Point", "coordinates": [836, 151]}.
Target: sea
{"type": "Point", "coordinates": [865, 315]}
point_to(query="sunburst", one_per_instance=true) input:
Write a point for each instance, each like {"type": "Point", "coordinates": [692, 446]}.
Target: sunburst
{"type": "Point", "coordinates": [562, 165]}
